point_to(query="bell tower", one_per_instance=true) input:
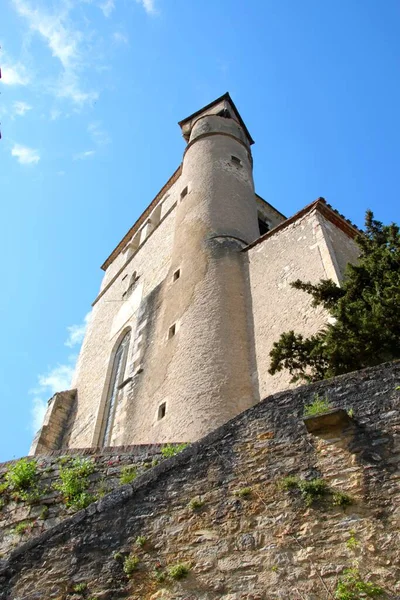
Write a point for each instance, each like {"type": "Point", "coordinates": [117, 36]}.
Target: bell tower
{"type": "Point", "coordinates": [204, 312]}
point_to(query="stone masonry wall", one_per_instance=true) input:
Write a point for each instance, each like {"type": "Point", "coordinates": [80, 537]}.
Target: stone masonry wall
{"type": "Point", "coordinates": [22, 519]}
{"type": "Point", "coordinates": [298, 251]}
{"type": "Point", "coordinates": [220, 508]}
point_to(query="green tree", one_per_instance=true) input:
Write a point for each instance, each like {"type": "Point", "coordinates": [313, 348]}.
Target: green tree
{"type": "Point", "coordinates": [365, 330]}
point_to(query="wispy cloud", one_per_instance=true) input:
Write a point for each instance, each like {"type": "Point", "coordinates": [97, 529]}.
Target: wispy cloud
{"type": "Point", "coordinates": [99, 136]}
{"type": "Point", "coordinates": [148, 6]}
{"type": "Point", "coordinates": [120, 38]}
{"type": "Point", "coordinates": [84, 155]}
{"type": "Point", "coordinates": [14, 74]}
{"type": "Point", "coordinates": [20, 108]}
{"type": "Point", "coordinates": [66, 44]}
{"type": "Point", "coordinates": [25, 155]}
{"type": "Point", "coordinates": [55, 114]}
{"type": "Point", "coordinates": [59, 378]}
{"type": "Point", "coordinates": [107, 7]}
{"type": "Point", "coordinates": [76, 333]}
{"type": "Point", "coordinates": [54, 380]}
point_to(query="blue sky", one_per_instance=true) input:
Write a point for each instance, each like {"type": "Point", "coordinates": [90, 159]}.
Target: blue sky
{"type": "Point", "coordinates": [91, 93]}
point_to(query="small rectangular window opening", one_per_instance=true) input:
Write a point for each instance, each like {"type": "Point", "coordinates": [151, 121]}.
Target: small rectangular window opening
{"type": "Point", "coordinates": [184, 192]}
{"type": "Point", "coordinates": [172, 331]}
{"type": "Point", "coordinates": [176, 275]}
{"type": "Point", "coordinates": [162, 409]}
{"type": "Point", "coordinates": [263, 226]}
{"type": "Point", "coordinates": [236, 160]}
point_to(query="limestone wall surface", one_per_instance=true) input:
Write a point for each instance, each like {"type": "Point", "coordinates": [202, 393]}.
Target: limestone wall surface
{"type": "Point", "coordinates": [221, 512]}
{"type": "Point", "coordinates": [112, 315]}
{"type": "Point", "coordinates": [310, 248]}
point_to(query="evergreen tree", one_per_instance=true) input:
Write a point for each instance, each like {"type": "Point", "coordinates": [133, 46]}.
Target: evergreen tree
{"type": "Point", "coordinates": [365, 330]}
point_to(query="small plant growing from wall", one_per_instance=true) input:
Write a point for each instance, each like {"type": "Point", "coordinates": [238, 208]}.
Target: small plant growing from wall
{"type": "Point", "coordinates": [196, 504]}
{"type": "Point", "coordinates": [128, 474]}
{"type": "Point", "coordinates": [22, 481]}
{"type": "Point", "coordinates": [80, 588]}
{"type": "Point", "coordinates": [311, 489]}
{"type": "Point", "coordinates": [74, 483]}
{"type": "Point", "coordinates": [170, 450]}
{"type": "Point", "coordinates": [179, 571]}
{"type": "Point", "coordinates": [318, 406]}
{"type": "Point", "coordinates": [352, 543]}
{"type": "Point", "coordinates": [130, 564]}
{"type": "Point", "coordinates": [141, 541]}
{"type": "Point", "coordinates": [23, 527]}
{"type": "Point", "coordinates": [245, 492]}
{"type": "Point", "coordinates": [315, 489]}
{"type": "Point", "coordinates": [341, 499]}
{"type": "Point", "coordinates": [351, 586]}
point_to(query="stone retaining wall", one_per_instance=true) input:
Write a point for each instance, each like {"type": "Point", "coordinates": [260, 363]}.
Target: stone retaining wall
{"type": "Point", "coordinates": [48, 508]}
{"type": "Point", "coordinates": [221, 509]}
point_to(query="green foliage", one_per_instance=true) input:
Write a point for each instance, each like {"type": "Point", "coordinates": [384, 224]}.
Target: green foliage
{"type": "Point", "coordinates": [365, 329]}
{"type": "Point", "coordinates": [289, 482]}
{"type": "Point", "coordinates": [311, 489]}
{"type": "Point", "coordinates": [141, 540]}
{"type": "Point", "coordinates": [74, 483]}
{"type": "Point", "coordinates": [170, 449]}
{"type": "Point", "coordinates": [159, 575]}
{"type": "Point", "coordinates": [21, 481]}
{"type": "Point", "coordinates": [243, 492]}
{"type": "Point", "coordinates": [352, 587]}
{"type": "Point", "coordinates": [118, 556]}
{"type": "Point", "coordinates": [179, 571]}
{"type": "Point", "coordinates": [341, 499]}
{"type": "Point", "coordinates": [196, 503]}
{"type": "Point", "coordinates": [22, 527]}
{"type": "Point", "coordinates": [3, 488]}
{"type": "Point", "coordinates": [44, 513]}
{"type": "Point", "coordinates": [80, 588]}
{"type": "Point", "coordinates": [154, 462]}
{"type": "Point", "coordinates": [350, 412]}
{"type": "Point", "coordinates": [128, 474]}
{"type": "Point", "coordinates": [352, 543]}
{"type": "Point", "coordinates": [318, 406]}
{"type": "Point", "coordinates": [130, 564]}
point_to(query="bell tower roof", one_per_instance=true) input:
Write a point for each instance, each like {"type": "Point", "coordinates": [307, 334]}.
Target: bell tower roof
{"type": "Point", "coordinates": [223, 106]}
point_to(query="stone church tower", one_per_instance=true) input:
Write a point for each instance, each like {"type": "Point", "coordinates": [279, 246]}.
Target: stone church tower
{"type": "Point", "coordinates": [192, 299]}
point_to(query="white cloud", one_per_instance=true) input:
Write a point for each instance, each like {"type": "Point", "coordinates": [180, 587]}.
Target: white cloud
{"type": "Point", "coordinates": [66, 44]}
{"type": "Point", "coordinates": [55, 114]}
{"type": "Point", "coordinates": [59, 378]}
{"type": "Point", "coordinates": [38, 411]}
{"type": "Point", "coordinates": [84, 155]}
{"type": "Point", "coordinates": [99, 136]}
{"type": "Point", "coordinates": [55, 380]}
{"type": "Point", "coordinates": [107, 7]}
{"type": "Point", "coordinates": [15, 74]}
{"type": "Point", "coordinates": [25, 155]}
{"type": "Point", "coordinates": [148, 6]}
{"type": "Point", "coordinates": [76, 333]}
{"type": "Point", "coordinates": [120, 38]}
{"type": "Point", "coordinates": [20, 108]}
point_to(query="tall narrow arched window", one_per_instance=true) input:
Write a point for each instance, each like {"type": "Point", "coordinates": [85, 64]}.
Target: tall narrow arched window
{"type": "Point", "coordinates": [117, 377]}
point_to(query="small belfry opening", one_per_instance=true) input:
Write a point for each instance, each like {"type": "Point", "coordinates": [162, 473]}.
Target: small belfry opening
{"type": "Point", "coordinates": [162, 409]}
{"type": "Point", "coordinates": [172, 331]}
{"type": "Point", "coordinates": [236, 160]}
{"type": "Point", "coordinates": [184, 192]}
{"type": "Point", "coordinates": [176, 275]}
